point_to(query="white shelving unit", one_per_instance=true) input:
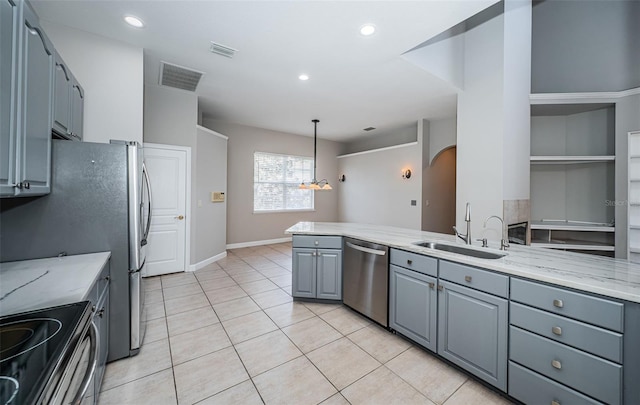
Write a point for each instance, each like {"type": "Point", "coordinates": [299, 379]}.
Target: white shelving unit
{"type": "Point", "coordinates": [633, 235]}
{"type": "Point", "coordinates": [573, 175]}
{"type": "Point", "coordinates": [567, 235]}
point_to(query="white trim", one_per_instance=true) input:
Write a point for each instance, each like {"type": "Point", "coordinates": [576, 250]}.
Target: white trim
{"type": "Point", "coordinates": [402, 145]}
{"type": "Point", "coordinates": [207, 262]}
{"type": "Point", "coordinates": [212, 132]}
{"type": "Point", "coordinates": [258, 243]}
{"type": "Point", "coordinates": [187, 236]}
{"type": "Point", "coordinates": [284, 211]}
{"type": "Point", "coordinates": [570, 98]}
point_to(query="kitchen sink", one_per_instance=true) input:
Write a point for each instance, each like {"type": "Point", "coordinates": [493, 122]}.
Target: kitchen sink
{"type": "Point", "coordinates": [462, 250]}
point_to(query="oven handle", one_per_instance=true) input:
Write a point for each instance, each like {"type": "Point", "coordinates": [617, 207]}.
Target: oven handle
{"type": "Point", "coordinates": [93, 360]}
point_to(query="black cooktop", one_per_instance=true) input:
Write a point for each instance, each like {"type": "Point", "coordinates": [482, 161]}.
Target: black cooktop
{"type": "Point", "coordinates": [32, 344]}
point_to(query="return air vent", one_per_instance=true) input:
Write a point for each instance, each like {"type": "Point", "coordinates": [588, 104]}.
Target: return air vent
{"type": "Point", "coordinates": [179, 77]}
{"type": "Point", "coordinates": [222, 50]}
{"type": "Point", "coordinates": [369, 129]}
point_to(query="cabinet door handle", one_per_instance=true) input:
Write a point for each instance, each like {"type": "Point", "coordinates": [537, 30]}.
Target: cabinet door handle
{"type": "Point", "coordinates": [26, 185]}
{"type": "Point", "coordinates": [440, 287]}
{"type": "Point", "coordinates": [556, 364]}
{"type": "Point", "coordinates": [432, 285]}
{"type": "Point", "coordinates": [558, 303]}
{"type": "Point", "coordinates": [557, 330]}
{"type": "Point", "coordinates": [554, 402]}
{"type": "Point", "coordinates": [101, 312]}
{"type": "Point", "coordinates": [467, 279]}
{"type": "Point", "coordinates": [313, 253]}
{"type": "Point", "coordinates": [409, 261]}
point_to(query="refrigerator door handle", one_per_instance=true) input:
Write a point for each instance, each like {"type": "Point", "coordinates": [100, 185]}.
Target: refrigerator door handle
{"type": "Point", "coordinates": [148, 227]}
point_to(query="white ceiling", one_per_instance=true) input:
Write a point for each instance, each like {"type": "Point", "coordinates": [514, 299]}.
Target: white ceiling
{"type": "Point", "coordinates": [355, 81]}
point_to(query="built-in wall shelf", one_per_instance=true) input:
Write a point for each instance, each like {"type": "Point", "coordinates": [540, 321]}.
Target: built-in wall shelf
{"type": "Point", "coordinates": [573, 172]}
{"type": "Point", "coordinates": [537, 160]}
{"type": "Point", "coordinates": [633, 217]}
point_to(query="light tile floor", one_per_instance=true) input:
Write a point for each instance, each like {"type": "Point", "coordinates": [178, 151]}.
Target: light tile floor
{"type": "Point", "coordinates": [231, 334]}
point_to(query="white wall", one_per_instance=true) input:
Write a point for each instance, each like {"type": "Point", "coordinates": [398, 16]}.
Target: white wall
{"type": "Point", "coordinates": [111, 74]}
{"type": "Point", "coordinates": [243, 226]}
{"type": "Point", "coordinates": [442, 135]}
{"type": "Point", "coordinates": [479, 170]}
{"type": "Point", "coordinates": [493, 118]}
{"type": "Point", "coordinates": [375, 192]}
{"type": "Point", "coordinates": [211, 217]}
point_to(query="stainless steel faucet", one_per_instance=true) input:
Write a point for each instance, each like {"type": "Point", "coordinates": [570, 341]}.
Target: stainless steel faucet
{"type": "Point", "coordinates": [467, 218]}
{"type": "Point", "coordinates": [504, 243]}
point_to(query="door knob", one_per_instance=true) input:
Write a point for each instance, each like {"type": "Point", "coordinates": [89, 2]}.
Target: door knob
{"type": "Point", "coordinates": [180, 217]}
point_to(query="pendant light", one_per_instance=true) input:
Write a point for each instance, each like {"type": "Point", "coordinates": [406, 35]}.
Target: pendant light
{"type": "Point", "coordinates": [315, 184]}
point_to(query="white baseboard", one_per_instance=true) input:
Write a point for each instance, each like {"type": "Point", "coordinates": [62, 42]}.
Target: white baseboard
{"type": "Point", "coordinates": [258, 243]}
{"type": "Point", "coordinates": [208, 261]}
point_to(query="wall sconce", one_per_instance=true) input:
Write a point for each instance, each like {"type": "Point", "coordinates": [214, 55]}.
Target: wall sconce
{"type": "Point", "coordinates": [406, 174]}
{"type": "Point", "coordinates": [341, 178]}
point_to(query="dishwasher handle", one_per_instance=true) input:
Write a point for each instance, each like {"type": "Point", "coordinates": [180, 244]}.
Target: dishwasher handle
{"type": "Point", "coordinates": [366, 249]}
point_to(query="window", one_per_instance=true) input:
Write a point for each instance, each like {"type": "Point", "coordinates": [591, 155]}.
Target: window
{"type": "Point", "coordinates": [276, 179]}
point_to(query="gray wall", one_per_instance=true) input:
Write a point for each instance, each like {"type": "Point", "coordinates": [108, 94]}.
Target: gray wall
{"type": "Point", "coordinates": [170, 118]}
{"type": "Point", "coordinates": [211, 217]}
{"type": "Point", "coordinates": [585, 46]}
{"type": "Point", "coordinates": [243, 226]}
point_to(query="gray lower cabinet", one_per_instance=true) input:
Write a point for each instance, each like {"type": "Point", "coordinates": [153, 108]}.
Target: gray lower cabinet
{"type": "Point", "coordinates": [28, 56]}
{"type": "Point", "coordinates": [316, 270]}
{"type": "Point", "coordinates": [569, 342]}
{"type": "Point", "coordinates": [99, 297]}
{"type": "Point", "coordinates": [472, 325]}
{"type": "Point", "coordinates": [412, 305]}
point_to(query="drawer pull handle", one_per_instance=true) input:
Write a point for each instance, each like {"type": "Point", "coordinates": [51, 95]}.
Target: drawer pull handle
{"type": "Point", "coordinates": [409, 261]}
{"type": "Point", "coordinates": [558, 303]}
{"type": "Point", "coordinates": [554, 402]}
{"type": "Point", "coordinates": [557, 330]}
{"type": "Point", "coordinates": [316, 243]}
{"type": "Point", "coordinates": [556, 364]}
{"type": "Point", "coordinates": [432, 285]}
{"type": "Point", "coordinates": [467, 279]}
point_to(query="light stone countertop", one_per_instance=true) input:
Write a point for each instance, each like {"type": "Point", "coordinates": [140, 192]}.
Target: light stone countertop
{"type": "Point", "coordinates": [614, 278]}
{"type": "Point", "coordinates": [41, 283]}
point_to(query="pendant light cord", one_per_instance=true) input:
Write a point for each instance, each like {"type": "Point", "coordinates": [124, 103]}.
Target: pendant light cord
{"type": "Point", "coordinates": [315, 146]}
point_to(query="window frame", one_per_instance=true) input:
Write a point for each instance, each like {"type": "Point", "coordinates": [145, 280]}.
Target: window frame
{"type": "Point", "coordinates": [284, 183]}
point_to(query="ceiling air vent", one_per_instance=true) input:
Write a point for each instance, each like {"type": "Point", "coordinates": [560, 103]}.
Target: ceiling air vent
{"type": "Point", "coordinates": [179, 77]}
{"type": "Point", "coordinates": [369, 129]}
{"type": "Point", "coordinates": [222, 50]}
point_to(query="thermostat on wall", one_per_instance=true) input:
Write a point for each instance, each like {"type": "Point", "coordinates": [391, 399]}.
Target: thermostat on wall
{"type": "Point", "coordinates": [217, 196]}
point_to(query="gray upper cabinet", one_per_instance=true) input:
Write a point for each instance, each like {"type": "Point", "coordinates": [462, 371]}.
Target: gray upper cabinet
{"type": "Point", "coordinates": [472, 328]}
{"type": "Point", "coordinates": [28, 58]}
{"type": "Point", "coordinates": [317, 267]}
{"type": "Point", "coordinates": [62, 98]}
{"type": "Point", "coordinates": [68, 108]}
{"type": "Point", "coordinates": [9, 15]}
{"type": "Point", "coordinates": [77, 110]}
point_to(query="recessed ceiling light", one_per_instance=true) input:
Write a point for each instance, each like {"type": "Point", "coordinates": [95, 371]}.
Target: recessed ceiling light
{"type": "Point", "coordinates": [134, 21]}
{"type": "Point", "coordinates": [367, 29]}
{"type": "Point", "coordinates": [303, 77]}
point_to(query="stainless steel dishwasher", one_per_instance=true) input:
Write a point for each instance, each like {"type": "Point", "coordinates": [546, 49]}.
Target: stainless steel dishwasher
{"type": "Point", "coordinates": [366, 279]}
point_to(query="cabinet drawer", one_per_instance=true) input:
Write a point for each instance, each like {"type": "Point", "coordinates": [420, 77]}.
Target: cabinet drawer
{"type": "Point", "coordinates": [532, 388]}
{"type": "Point", "coordinates": [483, 280]}
{"type": "Point", "coordinates": [592, 339]}
{"type": "Point", "coordinates": [594, 310]}
{"type": "Point", "coordinates": [413, 261]}
{"type": "Point", "coordinates": [322, 242]}
{"type": "Point", "coordinates": [584, 372]}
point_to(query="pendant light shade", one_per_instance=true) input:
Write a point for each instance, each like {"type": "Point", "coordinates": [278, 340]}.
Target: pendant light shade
{"type": "Point", "coordinates": [315, 184]}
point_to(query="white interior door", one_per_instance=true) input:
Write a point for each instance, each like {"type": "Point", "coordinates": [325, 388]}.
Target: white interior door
{"type": "Point", "coordinates": [168, 233]}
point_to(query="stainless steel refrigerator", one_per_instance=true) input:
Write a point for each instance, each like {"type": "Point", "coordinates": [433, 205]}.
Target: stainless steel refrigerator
{"type": "Point", "coordinates": [100, 201]}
